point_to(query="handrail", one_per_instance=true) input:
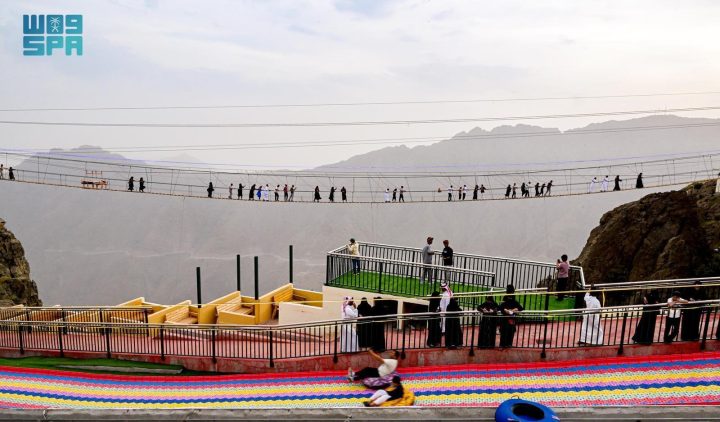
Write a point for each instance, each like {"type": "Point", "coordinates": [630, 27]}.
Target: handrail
{"type": "Point", "coordinates": [463, 254]}
{"type": "Point", "coordinates": [659, 282]}
{"type": "Point", "coordinates": [410, 263]}
{"type": "Point", "coordinates": [386, 318]}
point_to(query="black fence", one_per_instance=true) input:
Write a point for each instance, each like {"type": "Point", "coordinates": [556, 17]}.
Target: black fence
{"type": "Point", "coordinates": [467, 330]}
{"type": "Point", "coordinates": [520, 273]}
{"type": "Point", "coordinates": [76, 314]}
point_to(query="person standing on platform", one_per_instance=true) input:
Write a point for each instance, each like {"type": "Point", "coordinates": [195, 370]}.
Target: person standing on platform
{"type": "Point", "coordinates": [488, 323]}
{"type": "Point", "coordinates": [402, 194]}
{"type": "Point", "coordinates": [292, 193]}
{"type": "Point", "coordinates": [230, 190]}
{"type": "Point", "coordinates": [563, 274]}
{"type": "Point", "coordinates": [617, 183]}
{"type": "Point", "coordinates": [591, 331]}
{"type": "Point", "coordinates": [672, 323]}
{"type": "Point", "coordinates": [445, 296]}
{"type": "Point", "coordinates": [364, 328]}
{"type": "Point", "coordinates": [348, 336]}
{"type": "Point", "coordinates": [285, 193]}
{"type": "Point", "coordinates": [645, 329]}
{"type": "Point", "coordinates": [131, 181]}
{"type": "Point", "coordinates": [354, 251]}
{"type": "Point", "coordinates": [434, 338]}
{"type": "Point", "coordinates": [240, 191]}
{"type": "Point", "coordinates": [605, 184]}
{"type": "Point", "coordinates": [691, 316]}
{"type": "Point", "coordinates": [210, 190]}
{"type": "Point", "coordinates": [509, 308]}
{"type": "Point", "coordinates": [343, 194]}
{"type": "Point", "coordinates": [377, 332]}
{"type": "Point", "coordinates": [447, 259]}
{"type": "Point", "coordinates": [427, 259]}
{"type": "Point", "coordinates": [639, 182]}
{"type": "Point", "coordinates": [453, 330]}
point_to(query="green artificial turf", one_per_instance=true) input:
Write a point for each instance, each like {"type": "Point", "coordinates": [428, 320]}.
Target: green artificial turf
{"type": "Point", "coordinates": [66, 364]}
{"type": "Point", "coordinates": [411, 287]}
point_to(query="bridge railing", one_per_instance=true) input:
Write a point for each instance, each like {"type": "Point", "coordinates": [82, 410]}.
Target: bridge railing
{"type": "Point", "coordinates": [632, 292]}
{"type": "Point", "coordinates": [469, 330]}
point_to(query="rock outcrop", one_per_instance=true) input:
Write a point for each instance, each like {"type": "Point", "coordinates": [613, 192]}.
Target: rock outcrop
{"type": "Point", "coordinates": [663, 235]}
{"type": "Point", "coordinates": [16, 287]}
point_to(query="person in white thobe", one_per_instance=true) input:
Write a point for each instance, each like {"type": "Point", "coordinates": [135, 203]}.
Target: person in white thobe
{"type": "Point", "coordinates": [348, 335]}
{"type": "Point", "coordinates": [591, 331]}
{"type": "Point", "coordinates": [605, 183]}
{"type": "Point", "coordinates": [591, 188]}
{"type": "Point", "coordinates": [387, 195]}
{"type": "Point", "coordinates": [444, 302]}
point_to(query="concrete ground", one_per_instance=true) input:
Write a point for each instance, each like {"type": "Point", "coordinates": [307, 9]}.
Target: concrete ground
{"type": "Point", "coordinates": [652, 413]}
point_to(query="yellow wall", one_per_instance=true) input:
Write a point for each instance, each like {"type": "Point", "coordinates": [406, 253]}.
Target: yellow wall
{"type": "Point", "coordinates": [207, 314]}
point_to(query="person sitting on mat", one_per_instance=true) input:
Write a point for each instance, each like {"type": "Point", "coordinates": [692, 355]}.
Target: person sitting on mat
{"type": "Point", "coordinates": [394, 392]}
{"type": "Point", "coordinates": [387, 367]}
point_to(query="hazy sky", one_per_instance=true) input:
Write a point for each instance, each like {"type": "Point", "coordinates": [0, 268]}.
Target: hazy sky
{"type": "Point", "coordinates": [158, 53]}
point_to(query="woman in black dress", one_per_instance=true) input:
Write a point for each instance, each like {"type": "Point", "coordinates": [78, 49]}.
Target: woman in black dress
{"type": "Point", "coordinates": [645, 330]}
{"type": "Point", "coordinates": [690, 326]}
{"type": "Point", "coordinates": [316, 198]}
{"type": "Point", "coordinates": [453, 331]}
{"type": "Point", "coordinates": [377, 327]}
{"type": "Point", "coordinates": [434, 333]}
{"type": "Point", "coordinates": [488, 323]}
{"type": "Point", "coordinates": [508, 309]}
{"type": "Point", "coordinates": [364, 327]}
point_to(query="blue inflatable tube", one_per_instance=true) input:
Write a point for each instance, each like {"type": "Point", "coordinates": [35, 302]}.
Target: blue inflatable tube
{"type": "Point", "coordinates": [517, 410]}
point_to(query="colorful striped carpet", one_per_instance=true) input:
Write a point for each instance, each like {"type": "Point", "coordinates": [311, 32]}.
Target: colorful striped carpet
{"type": "Point", "coordinates": [660, 380]}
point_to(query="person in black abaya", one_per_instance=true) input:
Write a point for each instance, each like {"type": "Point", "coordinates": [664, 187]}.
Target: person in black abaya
{"type": "Point", "coordinates": [434, 338]}
{"type": "Point", "coordinates": [639, 182]}
{"type": "Point", "coordinates": [377, 327]}
{"type": "Point", "coordinates": [488, 323]}
{"type": "Point", "coordinates": [364, 327]}
{"type": "Point", "coordinates": [617, 182]}
{"type": "Point", "coordinates": [645, 330]}
{"type": "Point", "coordinates": [690, 325]}
{"type": "Point", "coordinates": [508, 309]}
{"type": "Point", "coordinates": [453, 331]}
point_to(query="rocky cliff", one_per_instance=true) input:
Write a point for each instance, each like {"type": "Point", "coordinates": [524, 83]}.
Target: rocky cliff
{"type": "Point", "coordinates": [16, 287]}
{"type": "Point", "coordinates": [663, 235]}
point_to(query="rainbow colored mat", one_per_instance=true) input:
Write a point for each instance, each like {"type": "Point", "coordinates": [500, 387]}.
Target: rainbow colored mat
{"type": "Point", "coordinates": [676, 379]}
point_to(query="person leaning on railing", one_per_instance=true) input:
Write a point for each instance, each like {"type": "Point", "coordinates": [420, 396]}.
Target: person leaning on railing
{"type": "Point", "coordinates": [509, 308]}
{"type": "Point", "coordinates": [354, 251]}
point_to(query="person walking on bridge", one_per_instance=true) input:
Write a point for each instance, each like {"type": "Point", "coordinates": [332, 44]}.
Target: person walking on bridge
{"type": "Point", "coordinates": [591, 187]}
{"type": "Point", "coordinates": [210, 190]}
{"type": "Point", "coordinates": [11, 174]}
{"type": "Point", "coordinates": [427, 259]}
{"type": "Point", "coordinates": [285, 192]}
{"type": "Point", "coordinates": [617, 183]}
{"type": "Point", "coordinates": [2, 172]}
{"type": "Point", "coordinates": [639, 182]}
{"type": "Point", "coordinates": [343, 194]}
{"type": "Point", "coordinates": [507, 191]}
{"type": "Point", "coordinates": [292, 193]}
{"type": "Point", "coordinates": [141, 185]}
{"type": "Point", "coordinates": [549, 186]}
{"type": "Point", "coordinates": [230, 190]}
{"type": "Point", "coordinates": [604, 185]}
{"type": "Point", "coordinates": [332, 194]}
{"type": "Point", "coordinates": [240, 191]}
{"type": "Point", "coordinates": [316, 198]}
{"type": "Point", "coordinates": [402, 194]}
{"type": "Point", "coordinates": [131, 182]}
{"type": "Point", "coordinates": [450, 193]}
{"type": "Point", "coordinates": [475, 192]}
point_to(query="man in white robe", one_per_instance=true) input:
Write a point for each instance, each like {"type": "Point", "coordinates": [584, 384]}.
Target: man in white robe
{"type": "Point", "coordinates": [591, 331]}
{"type": "Point", "coordinates": [605, 183]}
{"type": "Point", "coordinates": [591, 188]}
{"type": "Point", "coordinates": [444, 302]}
{"type": "Point", "coordinates": [348, 335]}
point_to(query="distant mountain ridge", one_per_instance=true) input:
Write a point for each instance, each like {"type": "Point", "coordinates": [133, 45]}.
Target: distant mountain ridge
{"type": "Point", "coordinates": [479, 149]}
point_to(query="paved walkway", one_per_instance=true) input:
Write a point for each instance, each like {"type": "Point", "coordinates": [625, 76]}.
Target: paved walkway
{"type": "Point", "coordinates": [690, 379]}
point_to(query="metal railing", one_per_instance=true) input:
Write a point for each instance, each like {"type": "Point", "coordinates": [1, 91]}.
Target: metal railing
{"type": "Point", "coordinates": [402, 278]}
{"type": "Point", "coordinates": [469, 330]}
{"type": "Point", "coordinates": [523, 274]}
{"type": "Point", "coordinates": [631, 292]}
{"type": "Point", "coordinates": [76, 313]}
